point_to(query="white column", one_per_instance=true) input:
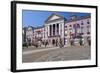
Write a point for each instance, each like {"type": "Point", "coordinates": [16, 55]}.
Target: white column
{"type": "Point", "coordinates": [45, 32]}
{"type": "Point", "coordinates": [62, 30]}
{"type": "Point", "coordinates": [55, 29]}
{"type": "Point", "coordinates": [52, 29]}
{"type": "Point", "coordinates": [59, 29]}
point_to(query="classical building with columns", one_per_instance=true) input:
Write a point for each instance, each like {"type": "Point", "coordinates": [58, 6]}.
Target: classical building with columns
{"type": "Point", "coordinates": [54, 28]}
{"type": "Point", "coordinates": [57, 27]}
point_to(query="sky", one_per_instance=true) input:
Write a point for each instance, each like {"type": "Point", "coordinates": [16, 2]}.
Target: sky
{"type": "Point", "coordinates": [37, 18]}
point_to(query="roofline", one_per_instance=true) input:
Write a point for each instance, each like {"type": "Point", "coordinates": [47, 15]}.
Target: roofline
{"type": "Point", "coordinates": [39, 27]}
{"type": "Point", "coordinates": [52, 15]}
{"type": "Point", "coordinates": [54, 20]}
{"type": "Point", "coordinates": [81, 18]}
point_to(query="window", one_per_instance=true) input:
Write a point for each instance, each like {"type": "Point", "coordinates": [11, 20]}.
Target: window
{"type": "Point", "coordinates": [70, 30]}
{"type": "Point", "coordinates": [78, 26]}
{"type": "Point", "coordinates": [66, 34]}
{"type": "Point", "coordinates": [65, 27]}
{"type": "Point", "coordinates": [82, 23]}
{"type": "Point", "coordinates": [70, 25]}
{"type": "Point", "coordinates": [82, 28]}
{"type": "Point", "coordinates": [88, 22]}
{"type": "Point", "coordinates": [88, 29]}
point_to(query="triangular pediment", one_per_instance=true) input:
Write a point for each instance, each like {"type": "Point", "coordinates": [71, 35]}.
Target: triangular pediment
{"type": "Point", "coordinates": [54, 17]}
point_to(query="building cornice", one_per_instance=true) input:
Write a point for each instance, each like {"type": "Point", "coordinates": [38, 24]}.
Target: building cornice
{"type": "Point", "coordinates": [54, 20]}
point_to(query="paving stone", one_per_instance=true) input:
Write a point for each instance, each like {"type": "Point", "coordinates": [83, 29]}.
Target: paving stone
{"type": "Point", "coordinates": [63, 54]}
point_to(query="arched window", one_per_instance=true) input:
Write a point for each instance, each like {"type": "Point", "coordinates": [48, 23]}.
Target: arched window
{"type": "Point", "coordinates": [78, 26]}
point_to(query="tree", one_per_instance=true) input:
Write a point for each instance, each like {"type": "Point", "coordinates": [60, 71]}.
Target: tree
{"type": "Point", "coordinates": [89, 41]}
{"type": "Point", "coordinates": [71, 41]}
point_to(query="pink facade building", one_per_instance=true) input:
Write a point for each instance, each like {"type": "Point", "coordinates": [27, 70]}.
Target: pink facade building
{"type": "Point", "coordinates": [78, 28]}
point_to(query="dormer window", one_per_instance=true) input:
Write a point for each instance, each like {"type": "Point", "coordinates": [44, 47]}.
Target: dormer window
{"type": "Point", "coordinates": [78, 26]}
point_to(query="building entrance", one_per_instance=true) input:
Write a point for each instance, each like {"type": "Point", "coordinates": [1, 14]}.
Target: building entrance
{"type": "Point", "coordinates": [53, 42]}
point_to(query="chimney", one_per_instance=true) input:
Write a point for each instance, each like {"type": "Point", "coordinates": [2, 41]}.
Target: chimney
{"type": "Point", "coordinates": [73, 17]}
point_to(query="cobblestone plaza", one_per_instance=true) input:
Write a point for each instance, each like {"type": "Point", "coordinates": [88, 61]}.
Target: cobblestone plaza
{"type": "Point", "coordinates": [43, 54]}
